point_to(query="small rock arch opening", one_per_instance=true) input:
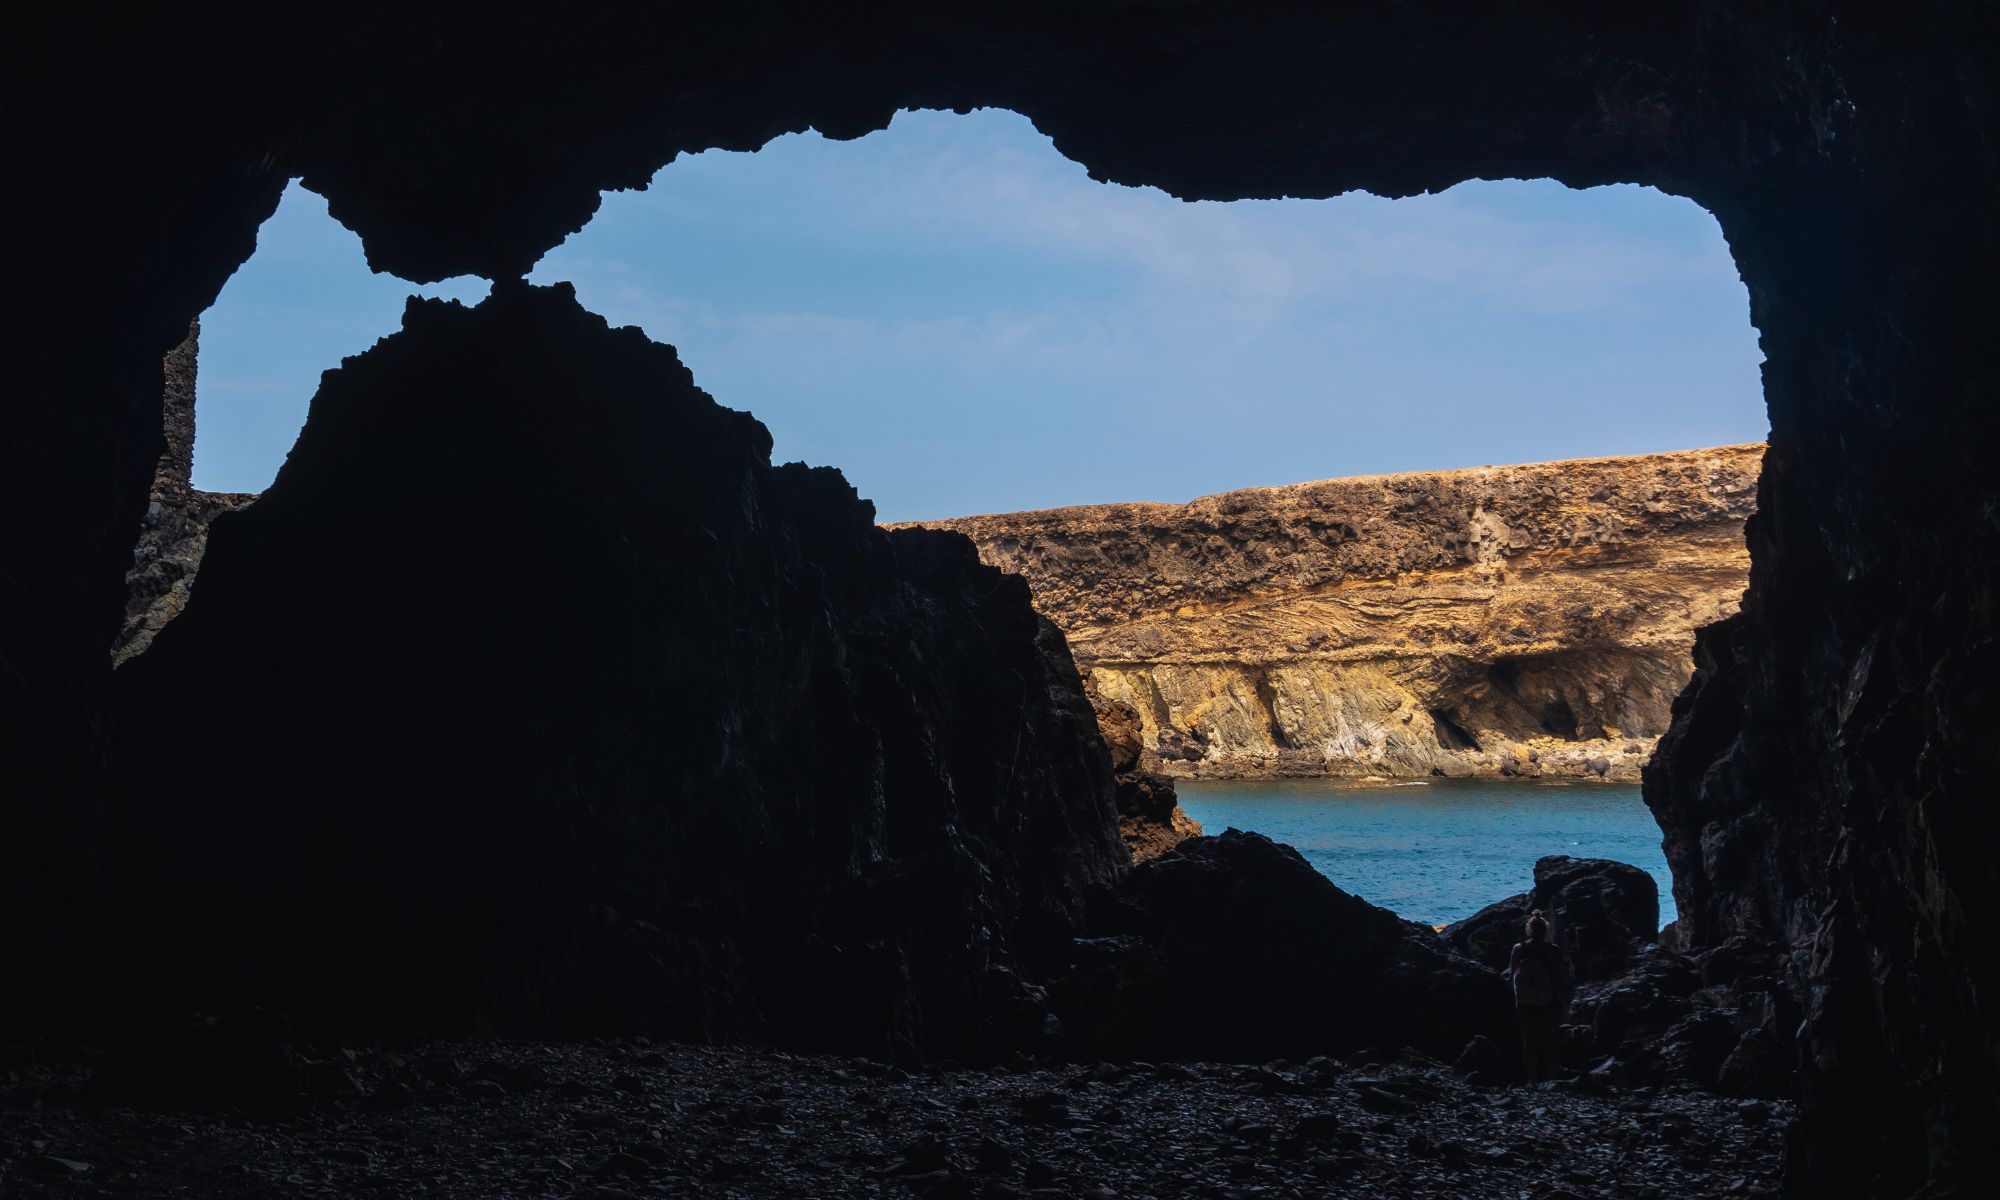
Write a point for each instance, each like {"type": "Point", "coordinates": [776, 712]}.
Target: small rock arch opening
{"type": "Point", "coordinates": [244, 378]}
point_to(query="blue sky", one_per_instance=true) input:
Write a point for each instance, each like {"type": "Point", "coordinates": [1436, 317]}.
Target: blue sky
{"type": "Point", "coordinates": [961, 320]}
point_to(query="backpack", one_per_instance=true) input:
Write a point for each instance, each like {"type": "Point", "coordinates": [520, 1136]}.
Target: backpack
{"type": "Point", "coordinates": [1534, 982]}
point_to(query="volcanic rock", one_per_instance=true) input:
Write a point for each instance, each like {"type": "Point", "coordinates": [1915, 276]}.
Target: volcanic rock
{"type": "Point", "coordinates": [1826, 784]}
{"type": "Point", "coordinates": [1598, 911]}
{"type": "Point", "coordinates": [1233, 947]}
{"type": "Point", "coordinates": [551, 704]}
{"type": "Point", "coordinates": [1489, 935]}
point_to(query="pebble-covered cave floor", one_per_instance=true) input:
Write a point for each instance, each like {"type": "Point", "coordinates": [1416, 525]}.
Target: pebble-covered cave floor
{"type": "Point", "coordinates": [503, 1120]}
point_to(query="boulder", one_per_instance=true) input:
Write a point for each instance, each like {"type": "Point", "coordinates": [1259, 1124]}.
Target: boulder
{"type": "Point", "coordinates": [1488, 936]}
{"type": "Point", "coordinates": [1485, 1061]}
{"type": "Point", "coordinates": [1599, 911]}
{"type": "Point", "coordinates": [1234, 947]}
{"type": "Point", "coordinates": [1639, 1005]}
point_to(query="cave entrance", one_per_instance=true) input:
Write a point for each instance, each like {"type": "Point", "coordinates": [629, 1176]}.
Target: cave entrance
{"type": "Point", "coordinates": [305, 300]}
{"type": "Point", "coordinates": [965, 322]}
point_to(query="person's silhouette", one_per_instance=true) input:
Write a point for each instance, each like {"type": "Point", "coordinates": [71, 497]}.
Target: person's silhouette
{"type": "Point", "coordinates": [1541, 979]}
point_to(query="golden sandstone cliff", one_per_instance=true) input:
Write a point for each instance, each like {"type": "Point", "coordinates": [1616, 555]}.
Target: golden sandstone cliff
{"type": "Point", "coordinates": [1528, 620]}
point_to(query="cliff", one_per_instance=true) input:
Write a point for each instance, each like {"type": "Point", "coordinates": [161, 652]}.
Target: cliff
{"type": "Point", "coordinates": [1519, 620]}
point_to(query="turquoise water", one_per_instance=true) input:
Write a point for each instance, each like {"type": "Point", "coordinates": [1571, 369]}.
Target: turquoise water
{"type": "Point", "coordinates": [1442, 849]}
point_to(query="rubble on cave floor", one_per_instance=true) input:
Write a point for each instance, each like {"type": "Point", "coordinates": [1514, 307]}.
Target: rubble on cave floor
{"type": "Point", "coordinates": [611, 1120]}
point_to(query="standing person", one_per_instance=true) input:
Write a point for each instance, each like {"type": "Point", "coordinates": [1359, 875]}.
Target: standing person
{"type": "Point", "coordinates": [1540, 979]}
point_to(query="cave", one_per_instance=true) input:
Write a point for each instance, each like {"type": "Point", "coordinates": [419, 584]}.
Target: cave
{"type": "Point", "coordinates": [1821, 787]}
{"type": "Point", "coordinates": [1451, 733]}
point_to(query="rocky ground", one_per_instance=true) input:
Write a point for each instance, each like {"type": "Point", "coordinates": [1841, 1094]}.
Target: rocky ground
{"type": "Point", "coordinates": [610, 1120]}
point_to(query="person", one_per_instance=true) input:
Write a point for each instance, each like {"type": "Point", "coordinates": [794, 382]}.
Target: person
{"type": "Point", "coordinates": [1541, 981]}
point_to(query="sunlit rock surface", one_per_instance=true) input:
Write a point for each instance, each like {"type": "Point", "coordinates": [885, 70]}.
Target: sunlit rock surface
{"type": "Point", "coordinates": [1521, 620]}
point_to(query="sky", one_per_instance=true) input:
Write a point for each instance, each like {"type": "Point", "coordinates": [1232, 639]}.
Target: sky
{"type": "Point", "coordinates": [964, 322]}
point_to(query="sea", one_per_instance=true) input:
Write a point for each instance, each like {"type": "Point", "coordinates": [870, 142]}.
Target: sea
{"type": "Point", "coordinates": [1437, 850]}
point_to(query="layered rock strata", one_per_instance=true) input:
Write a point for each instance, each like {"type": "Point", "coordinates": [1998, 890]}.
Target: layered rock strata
{"type": "Point", "coordinates": [1523, 620]}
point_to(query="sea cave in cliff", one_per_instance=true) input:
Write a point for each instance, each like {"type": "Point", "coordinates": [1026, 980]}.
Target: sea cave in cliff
{"type": "Point", "coordinates": [540, 788]}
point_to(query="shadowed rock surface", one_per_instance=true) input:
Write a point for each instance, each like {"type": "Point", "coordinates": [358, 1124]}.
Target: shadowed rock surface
{"type": "Point", "coordinates": [1641, 1014]}
{"type": "Point", "coordinates": [1234, 947]}
{"type": "Point", "coordinates": [1524, 620]}
{"type": "Point", "coordinates": [1826, 785]}
{"type": "Point", "coordinates": [580, 715]}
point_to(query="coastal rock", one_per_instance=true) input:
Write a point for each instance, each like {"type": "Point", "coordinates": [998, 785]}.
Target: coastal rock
{"type": "Point", "coordinates": [1233, 947]}
{"type": "Point", "coordinates": [1527, 621]}
{"type": "Point", "coordinates": [1599, 912]}
{"type": "Point", "coordinates": [1643, 1014]}
{"type": "Point", "coordinates": [584, 716]}
{"type": "Point", "coordinates": [1150, 818]}
{"type": "Point", "coordinates": [1489, 935]}
{"type": "Point", "coordinates": [1663, 1019]}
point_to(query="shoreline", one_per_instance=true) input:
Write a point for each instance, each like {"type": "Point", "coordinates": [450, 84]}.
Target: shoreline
{"type": "Point", "coordinates": [1596, 760]}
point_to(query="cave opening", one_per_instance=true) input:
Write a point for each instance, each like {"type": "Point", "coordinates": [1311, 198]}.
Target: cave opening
{"type": "Point", "coordinates": [962, 320]}
{"type": "Point", "coordinates": [1822, 785]}
{"type": "Point", "coordinates": [960, 317]}
{"type": "Point", "coordinates": [302, 302]}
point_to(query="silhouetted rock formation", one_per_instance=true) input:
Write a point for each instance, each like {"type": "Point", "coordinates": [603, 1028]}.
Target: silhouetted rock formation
{"type": "Point", "coordinates": [1527, 620]}
{"type": "Point", "coordinates": [530, 696]}
{"type": "Point", "coordinates": [1597, 910]}
{"type": "Point", "coordinates": [1233, 947]}
{"type": "Point", "coordinates": [1826, 784]}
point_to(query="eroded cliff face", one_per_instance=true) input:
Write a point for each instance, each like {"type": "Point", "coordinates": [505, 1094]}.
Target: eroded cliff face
{"type": "Point", "coordinates": [1518, 620]}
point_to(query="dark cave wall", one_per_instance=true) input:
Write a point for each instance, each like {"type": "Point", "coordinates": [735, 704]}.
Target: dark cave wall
{"type": "Point", "coordinates": [1825, 779]}
{"type": "Point", "coordinates": [138, 214]}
